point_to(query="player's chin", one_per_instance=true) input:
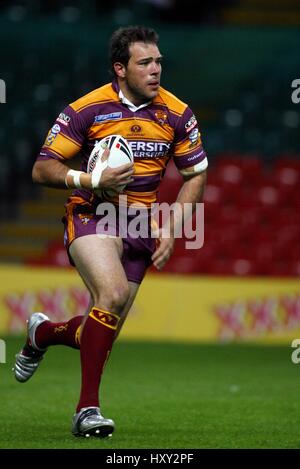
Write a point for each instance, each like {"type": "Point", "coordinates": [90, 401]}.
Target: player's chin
{"type": "Point", "coordinates": [152, 92]}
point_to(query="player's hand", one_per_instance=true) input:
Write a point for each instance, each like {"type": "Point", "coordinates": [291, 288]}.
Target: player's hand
{"type": "Point", "coordinates": [111, 178]}
{"type": "Point", "coordinates": [164, 249]}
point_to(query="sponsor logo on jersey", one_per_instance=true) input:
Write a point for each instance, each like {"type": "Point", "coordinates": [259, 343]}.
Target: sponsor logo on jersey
{"type": "Point", "coordinates": [142, 149]}
{"type": "Point", "coordinates": [106, 117]}
{"type": "Point", "coordinates": [193, 137]}
{"type": "Point", "coordinates": [190, 124]}
{"type": "Point", "coordinates": [194, 157]}
{"type": "Point", "coordinates": [161, 116]}
{"type": "Point", "coordinates": [63, 119]}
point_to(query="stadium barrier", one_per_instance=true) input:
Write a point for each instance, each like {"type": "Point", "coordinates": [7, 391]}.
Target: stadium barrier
{"type": "Point", "coordinates": [168, 307]}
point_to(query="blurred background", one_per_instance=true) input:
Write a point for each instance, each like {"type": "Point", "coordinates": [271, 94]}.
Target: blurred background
{"type": "Point", "coordinates": [234, 63]}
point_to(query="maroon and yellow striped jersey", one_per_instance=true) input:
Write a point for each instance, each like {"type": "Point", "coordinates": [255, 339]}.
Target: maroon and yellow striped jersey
{"type": "Point", "coordinates": [164, 128]}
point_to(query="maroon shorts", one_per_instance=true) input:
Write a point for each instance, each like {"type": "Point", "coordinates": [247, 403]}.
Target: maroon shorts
{"type": "Point", "coordinates": [81, 220]}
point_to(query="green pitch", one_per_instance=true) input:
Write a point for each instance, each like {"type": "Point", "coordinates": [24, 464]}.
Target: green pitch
{"type": "Point", "coordinates": [160, 396]}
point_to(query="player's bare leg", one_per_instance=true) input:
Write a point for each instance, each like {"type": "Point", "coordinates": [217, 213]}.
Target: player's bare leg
{"type": "Point", "coordinates": [42, 333]}
{"type": "Point", "coordinates": [133, 292]}
{"type": "Point", "coordinates": [98, 262]}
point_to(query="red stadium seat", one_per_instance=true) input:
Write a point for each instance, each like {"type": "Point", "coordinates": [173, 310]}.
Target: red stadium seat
{"type": "Point", "coordinates": [287, 177]}
{"type": "Point", "coordinates": [230, 174]}
{"type": "Point", "coordinates": [288, 161]}
{"type": "Point", "coordinates": [57, 255]}
{"type": "Point", "coordinates": [252, 167]}
{"type": "Point", "coordinates": [182, 265]}
{"type": "Point", "coordinates": [219, 267]}
{"type": "Point", "coordinates": [229, 215]}
{"type": "Point", "coordinates": [295, 268]}
{"type": "Point", "coordinates": [243, 267]}
{"type": "Point", "coordinates": [225, 158]}
{"type": "Point", "coordinates": [280, 269]}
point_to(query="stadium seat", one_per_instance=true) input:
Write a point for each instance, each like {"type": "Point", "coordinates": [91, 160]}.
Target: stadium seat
{"type": "Point", "coordinates": [291, 161]}
{"type": "Point", "coordinates": [243, 267]}
{"type": "Point", "coordinates": [56, 254]}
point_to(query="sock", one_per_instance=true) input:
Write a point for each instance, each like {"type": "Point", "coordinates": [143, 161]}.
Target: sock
{"type": "Point", "coordinates": [96, 342]}
{"type": "Point", "coordinates": [59, 333]}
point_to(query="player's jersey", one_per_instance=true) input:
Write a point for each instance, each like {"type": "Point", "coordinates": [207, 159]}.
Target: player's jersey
{"type": "Point", "coordinates": [164, 128]}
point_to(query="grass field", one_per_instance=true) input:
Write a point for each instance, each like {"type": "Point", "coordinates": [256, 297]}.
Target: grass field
{"type": "Point", "coordinates": [160, 396]}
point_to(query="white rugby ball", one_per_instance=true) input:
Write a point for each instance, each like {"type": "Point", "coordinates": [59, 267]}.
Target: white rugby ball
{"type": "Point", "coordinates": [120, 154]}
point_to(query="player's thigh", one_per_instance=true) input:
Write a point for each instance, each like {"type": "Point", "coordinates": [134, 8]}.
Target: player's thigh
{"type": "Point", "coordinates": [98, 262]}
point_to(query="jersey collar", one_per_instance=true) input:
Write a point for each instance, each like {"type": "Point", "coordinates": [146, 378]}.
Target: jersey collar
{"type": "Point", "coordinates": [132, 107]}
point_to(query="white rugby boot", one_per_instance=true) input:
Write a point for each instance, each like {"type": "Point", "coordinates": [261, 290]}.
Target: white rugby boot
{"type": "Point", "coordinates": [89, 422]}
{"type": "Point", "coordinates": [28, 359]}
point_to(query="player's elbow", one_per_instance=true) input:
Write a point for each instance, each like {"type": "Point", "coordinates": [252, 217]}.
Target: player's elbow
{"type": "Point", "coordinates": [37, 173]}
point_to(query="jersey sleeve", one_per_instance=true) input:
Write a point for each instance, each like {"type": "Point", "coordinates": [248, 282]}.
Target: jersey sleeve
{"type": "Point", "coordinates": [188, 149]}
{"type": "Point", "coordinates": [65, 138]}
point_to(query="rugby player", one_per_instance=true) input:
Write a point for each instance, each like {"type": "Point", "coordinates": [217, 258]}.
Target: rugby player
{"type": "Point", "coordinates": [158, 127]}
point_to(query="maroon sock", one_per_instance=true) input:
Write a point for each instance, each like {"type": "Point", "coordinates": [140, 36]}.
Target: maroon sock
{"type": "Point", "coordinates": [59, 333]}
{"type": "Point", "coordinates": [96, 342]}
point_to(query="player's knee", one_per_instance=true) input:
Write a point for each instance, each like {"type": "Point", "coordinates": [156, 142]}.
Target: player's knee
{"type": "Point", "coordinates": [119, 298]}
{"type": "Point", "coordinates": [115, 299]}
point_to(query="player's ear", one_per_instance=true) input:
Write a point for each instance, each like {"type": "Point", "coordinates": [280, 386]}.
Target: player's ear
{"type": "Point", "coordinates": [119, 69]}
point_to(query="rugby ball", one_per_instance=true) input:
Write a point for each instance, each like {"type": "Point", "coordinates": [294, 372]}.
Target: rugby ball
{"type": "Point", "coordinates": [120, 154]}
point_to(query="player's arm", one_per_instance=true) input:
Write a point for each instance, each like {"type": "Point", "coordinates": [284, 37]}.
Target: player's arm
{"type": "Point", "coordinates": [63, 142]}
{"type": "Point", "coordinates": [190, 159]}
{"type": "Point", "coordinates": [191, 192]}
{"type": "Point", "coordinates": [54, 173]}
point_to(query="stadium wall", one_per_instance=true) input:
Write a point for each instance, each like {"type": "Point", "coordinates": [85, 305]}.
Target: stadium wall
{"type": "Point", "coordinates": [168, 307]}
{"type": "Point", "coordinates": [217, 61]}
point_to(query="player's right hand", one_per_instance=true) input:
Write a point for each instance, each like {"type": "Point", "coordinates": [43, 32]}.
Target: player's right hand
{"type": "Point", "coordinates": [113, 177]}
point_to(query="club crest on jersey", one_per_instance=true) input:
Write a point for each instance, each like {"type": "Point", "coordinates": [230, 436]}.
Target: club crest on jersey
{"type": "Point", "coordinates": [193, 137]}
{"type": "Point", "coordinates": [161, 116]}
{"type": "Point", "coordinates": [136, 128]}
{"type": "Point", "coordinates": [52, 134]}
{"type": "Point", "coordinates": [85, 218]}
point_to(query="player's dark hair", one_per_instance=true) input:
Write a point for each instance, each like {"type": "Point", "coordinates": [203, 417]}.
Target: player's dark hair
{"type": "Point", "coordinates": [122, 38]}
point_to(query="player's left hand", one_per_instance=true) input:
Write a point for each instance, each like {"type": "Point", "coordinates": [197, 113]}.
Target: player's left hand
{"type": "Point", "coordinates": [164, 249]}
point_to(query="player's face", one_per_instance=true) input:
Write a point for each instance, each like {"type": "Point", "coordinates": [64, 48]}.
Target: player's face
{"type": "Point", "coordinates": [142, 74]}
